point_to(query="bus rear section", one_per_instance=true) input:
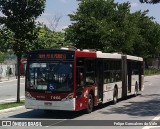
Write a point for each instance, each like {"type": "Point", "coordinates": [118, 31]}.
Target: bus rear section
{"type": "Point", "coordinates": [49, 80]}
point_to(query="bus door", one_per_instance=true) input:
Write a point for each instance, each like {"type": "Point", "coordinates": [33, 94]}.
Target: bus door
{"type": "Point", "coordinates": [100, 79]}
{"type": "Point", "coordinates": [141, 72]}
{"type": "Point", "coordinates": [124, 76]}
{"type": "Point", "coordinates": [129, 76]}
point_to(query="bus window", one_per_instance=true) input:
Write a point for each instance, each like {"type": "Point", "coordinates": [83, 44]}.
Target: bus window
{"type": "Point", "coordinates": [135, 68]}
{"type": "Point", "coordinates": [106, 72]}
{"type": "Point", "coordinates": [90, 72]}
{"type": "Point", "coordinates": [53, 76]}
{"type": "Point", "coordinates": [80, 72]}
{"type": "Point", "coordinates": [118, 71]}
{"type": "Point", "coordinates": [112, 71]}
{"type": "Point", "coordinates": [80, 76]}
{"type": "Point", "coordinates": [106, 77]}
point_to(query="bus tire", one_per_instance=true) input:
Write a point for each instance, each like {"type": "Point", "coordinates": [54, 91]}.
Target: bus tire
{"type": "Point", "coordinates": [90, 104]}
{"type": "Point", "coordinates": [115, 96]}
{"type": "Point", "coordinates": [48, 111]}
{"type": "Point", "coordinates": [136, 90]}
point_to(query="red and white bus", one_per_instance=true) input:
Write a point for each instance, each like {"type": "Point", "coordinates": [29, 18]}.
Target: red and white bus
{"type": "Point", "coordinates": [73, 80]}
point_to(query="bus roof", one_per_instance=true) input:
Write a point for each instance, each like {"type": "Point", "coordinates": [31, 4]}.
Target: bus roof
{"type": "Point", "coordinates": [134, 58]}
{"type": "Point", "coordinates": [109, 55]}
{"type": "Point", "coordinates": [90, 53]}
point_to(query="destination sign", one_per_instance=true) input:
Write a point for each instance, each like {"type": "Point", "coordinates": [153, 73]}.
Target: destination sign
{"type": "Point", "coordinates": [52, 56]}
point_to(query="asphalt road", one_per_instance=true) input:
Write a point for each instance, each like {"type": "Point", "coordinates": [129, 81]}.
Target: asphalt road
{"type": "Point", "coordinates": [143, 107]}
{"type": "Point", "coordinates": [8, 90]}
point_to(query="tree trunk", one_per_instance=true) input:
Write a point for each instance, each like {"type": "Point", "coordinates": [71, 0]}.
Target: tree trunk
{"type": "Point", "coordinates": [146, 63]}
{"type": "Point", "coordinates": [18, 78]}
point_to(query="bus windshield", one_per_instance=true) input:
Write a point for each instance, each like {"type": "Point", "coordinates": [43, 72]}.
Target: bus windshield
{"type": "Point", "coordinates": [51, 76]}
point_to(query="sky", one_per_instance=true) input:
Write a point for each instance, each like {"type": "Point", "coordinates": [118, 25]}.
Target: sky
{"type": "Point", "coordinates": [61, 9]}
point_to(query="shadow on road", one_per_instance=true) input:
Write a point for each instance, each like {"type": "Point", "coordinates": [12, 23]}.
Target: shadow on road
{"type": "Point", "coordinates": [149, 107]}
{"type": "Point", "coordinates": [40, 114]}
{"type": "Point", "coordinates": [33, 114]}
{"type": "Point", "coordinates": [144, 107]}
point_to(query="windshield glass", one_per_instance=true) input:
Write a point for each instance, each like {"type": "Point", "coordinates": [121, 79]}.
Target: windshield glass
{"type": "Point", "coordinates": [56, 76]}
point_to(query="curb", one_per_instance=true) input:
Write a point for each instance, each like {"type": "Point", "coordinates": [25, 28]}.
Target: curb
{"type": "Point", "coordinates": [11, 109]}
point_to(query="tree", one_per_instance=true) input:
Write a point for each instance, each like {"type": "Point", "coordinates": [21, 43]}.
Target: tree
{"type": "Point", "coordinates": [53, 22]}
{"type": "Point", "coordinates": [49, 39]}
{"type": "Point", "coordinates": [19, 17]}
{"type": "Point", "coordinates": [111, 27]}
{"type": "Point", "coordinates": [150, 1]}
{"type": "Point", "coordinates": [6, 39]}
{"type": "Point", "coordinates": [91, 24]}
{"type": "Point", "coordinates": [2, 55]}
{"type": "Point", "coordinates": [102, 25]}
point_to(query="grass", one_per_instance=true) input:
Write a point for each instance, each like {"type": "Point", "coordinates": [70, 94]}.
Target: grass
{"type": "Point", "coordinates": [151, 72]}
{"type": "Point", "coordinates": [10, 105]}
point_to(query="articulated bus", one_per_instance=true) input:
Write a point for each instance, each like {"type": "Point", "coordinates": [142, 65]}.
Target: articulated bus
{"type": "Point", "coordinates": [74, 80]}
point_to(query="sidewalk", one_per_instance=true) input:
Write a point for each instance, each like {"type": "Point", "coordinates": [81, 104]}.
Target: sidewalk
{"type": "Point", "coordinates": [11, 100]}
{"type": "Point", "coordinates": [5, 79]}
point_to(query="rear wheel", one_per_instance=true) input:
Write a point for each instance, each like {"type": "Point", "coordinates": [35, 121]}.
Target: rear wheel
{"type": "Point", "coordinates": [90, 104]}
{"type": "Point", "coordinates": [48, 111]}
{"type": "Point", "coordinates": [115, 96]}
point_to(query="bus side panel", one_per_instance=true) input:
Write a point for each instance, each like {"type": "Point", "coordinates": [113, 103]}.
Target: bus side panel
{"type": "Point", "coordinates": [141, 76]}
{"type": "Point", "coordinates": [135, 79]}
{"type": "Point", "coordinates": [142, 86]}
{"type": "Point", "coordinates": [109, 89]}
{"type": "Point", "coordinates": [119, 84]}
{"type": "Point", "coordinates": [99, 78]}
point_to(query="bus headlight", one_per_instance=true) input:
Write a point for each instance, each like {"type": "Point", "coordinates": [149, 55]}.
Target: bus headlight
{"type": "Point", "coordinates": [69, 97]}
{"type": "Point", "coordinates": [28, 95]}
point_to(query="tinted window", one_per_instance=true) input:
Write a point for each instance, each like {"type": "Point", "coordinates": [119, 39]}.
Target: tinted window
{"type": "Point", "coordinates": [55, 76]}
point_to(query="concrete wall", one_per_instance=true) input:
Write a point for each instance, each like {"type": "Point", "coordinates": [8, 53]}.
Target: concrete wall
{"type": "Point", "coordinates": [4, 71]}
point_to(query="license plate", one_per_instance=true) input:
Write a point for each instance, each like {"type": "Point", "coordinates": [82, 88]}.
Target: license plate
{"type": "Point", "coordinates": [48, 103]}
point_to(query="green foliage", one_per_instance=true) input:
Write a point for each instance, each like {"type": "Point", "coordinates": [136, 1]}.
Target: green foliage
{"type": "Point", "coordinates": [2, 55]}
{"type": "Point", "coordinates": [111, 27]}
{"type": "Point", "coordinates": [147, 40]}
{"type": "Point", "coordinates": [19, 17]}
{"type": "Point", "coordinates": [6, 39]}
{"type": "Point", "coordinates": [11, 105]}
{"type": "Point", "coordinates": [151, 72]}
{"type": "Point", "coordinates": [90, 21]}
{"type": "Point", "coordinates": [49, 39]}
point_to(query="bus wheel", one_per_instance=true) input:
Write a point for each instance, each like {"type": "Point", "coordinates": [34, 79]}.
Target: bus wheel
{"type": "Point", "coordinates": [115, 96]}
{"type": "Point", "coordinates": [47, 111]}
{"type": "Point", "coordinates": [90, 104]}
{"type": "Point", "coordinates": [136, 90]}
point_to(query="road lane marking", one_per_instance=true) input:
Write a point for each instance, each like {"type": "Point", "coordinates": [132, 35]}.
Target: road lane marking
{"type": "Point", "coordinates": [152, 127]}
